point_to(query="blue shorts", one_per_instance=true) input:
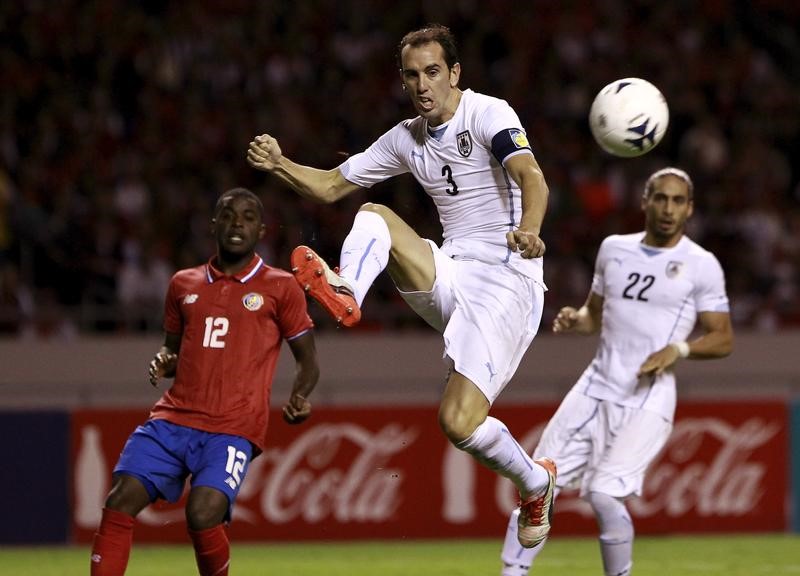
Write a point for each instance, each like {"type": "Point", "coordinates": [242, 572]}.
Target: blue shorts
{"type": "Point", "coordinates": [161, 455]}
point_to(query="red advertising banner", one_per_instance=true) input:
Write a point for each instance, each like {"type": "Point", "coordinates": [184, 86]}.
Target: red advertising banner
{"type": "Point", "coordinates": [388, 472]}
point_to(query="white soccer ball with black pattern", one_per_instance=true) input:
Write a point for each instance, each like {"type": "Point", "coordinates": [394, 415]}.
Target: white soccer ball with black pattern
{"type": "Point", "coordinates": [629, 117]}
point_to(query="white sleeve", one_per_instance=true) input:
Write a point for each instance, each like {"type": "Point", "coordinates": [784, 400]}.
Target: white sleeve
{"type": "Point", "coordinates": [496, 117]}
{"type": "Point", "coordinates": [500, 130]}
{"type": "Point", "coordinates": [709, 294]}
{"type": "Point", "coordinates": [377, 163]}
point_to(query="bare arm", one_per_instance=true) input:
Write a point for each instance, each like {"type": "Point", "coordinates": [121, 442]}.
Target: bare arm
{"type": "Point", "coordinates": [304, 350]}
{"type": "Point", "coordinates": [585, 320]}
{"type": "Point", "coordinates": [165, 362]}
{"type": "Point", "coordinates": [715, 342]}
{"type": "Point", "coordinates": [525, 171]}
{"type": "Point", "coordinates": [323, 186]}
{"type": "Point", "coordinates": [717, 338]}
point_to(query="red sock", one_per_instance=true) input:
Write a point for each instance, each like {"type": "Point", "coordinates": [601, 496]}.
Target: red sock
{"type": "Point", "coordinates": [212, 550]}
{"type": "Point", "coordinates": [112, 544]}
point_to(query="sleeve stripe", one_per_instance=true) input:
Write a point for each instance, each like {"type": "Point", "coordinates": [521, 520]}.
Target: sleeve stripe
{"type": "Point", "coordinates": [295, 336]}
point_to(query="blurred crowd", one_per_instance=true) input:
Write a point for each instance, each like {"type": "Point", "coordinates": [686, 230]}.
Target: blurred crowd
{"type": "Point", "coordinates": [122, 122]}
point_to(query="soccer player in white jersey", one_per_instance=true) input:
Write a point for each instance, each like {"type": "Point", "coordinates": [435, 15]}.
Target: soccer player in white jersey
{"type": "Point", "coordinates": [648, 292]}
{"type": "Point", "coordinates": [483, 288]}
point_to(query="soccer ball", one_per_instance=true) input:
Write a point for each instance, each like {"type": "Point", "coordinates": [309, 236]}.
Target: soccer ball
{"type": "Point", "coordinates": [629, 117]}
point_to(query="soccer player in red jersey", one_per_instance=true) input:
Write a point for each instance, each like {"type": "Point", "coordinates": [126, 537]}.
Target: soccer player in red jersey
{"type": "Point", "coordinates": [224, 324]}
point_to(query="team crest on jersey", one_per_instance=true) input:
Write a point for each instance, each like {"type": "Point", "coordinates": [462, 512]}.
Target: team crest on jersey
{"type": "Point", "coordinates": [518, 138]}
{"type": "Point", "coordinates": [464, 141]}
{"type": "Point", "coordinates": [673, 268]}
{"type": "Point", "coordinates": [253, 301]}
{"type": "Point", "coordinates": [190, 299]}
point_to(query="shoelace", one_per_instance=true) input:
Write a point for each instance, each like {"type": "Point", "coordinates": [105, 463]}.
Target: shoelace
{"type": "Point", "coordinates": [534, 510]}
{"type": "Point", "coordinates": [341, 289]}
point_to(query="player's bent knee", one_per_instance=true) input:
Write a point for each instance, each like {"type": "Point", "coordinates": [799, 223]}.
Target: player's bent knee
{"type": "Point", "coordinates": [374, 207]}
{"type": "Point", "coordinates": [456, 425]}
{"type": "Point", "coordinates": [203, 519]}
{"type": "Point", "coordinates": [127, 495]}
{"type": "Point", "coordinates": [381, 210]}
{"type": "Point", "coordinates": [205, 508]}
{"type": "Point", "coordinates": [613, 518]}
{"type": "Point", "coordinates": [389, 216]}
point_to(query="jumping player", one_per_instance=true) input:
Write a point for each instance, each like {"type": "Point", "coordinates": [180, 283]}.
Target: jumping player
{"type": "Point", "coordinates": [483, 288]}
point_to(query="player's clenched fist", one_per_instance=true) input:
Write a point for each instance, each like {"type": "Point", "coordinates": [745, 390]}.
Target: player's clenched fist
{"type": "Point", "coordinates": [162, 364]}
{"type": "Point", "coordinates": [528, 244]}
{"type": "Point", "coordinates": [565, 320]}
{"type": "Point", "coordinates": [264, 152]}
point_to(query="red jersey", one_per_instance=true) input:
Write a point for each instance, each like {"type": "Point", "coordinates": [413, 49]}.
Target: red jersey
{"type": "Point", "coordinates": [233, 328]}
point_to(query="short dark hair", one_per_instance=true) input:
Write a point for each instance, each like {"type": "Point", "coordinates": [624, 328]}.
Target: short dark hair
{"type": "Point", "coordinates": [235, 192]}
{"type": "Point", "coordinates": [669, 171]}
{"type": "Point", "coordinates": [430, 33]}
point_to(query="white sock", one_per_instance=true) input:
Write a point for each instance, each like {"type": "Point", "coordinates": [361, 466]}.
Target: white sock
{"type": "Point", "coordinates": [616, 533]}
{"type": "Point", "coordinates": [517, 561]}
{"type": "Point", "coordinates": [494, 447]}
{"type": "Point", "coordinates": [365, 252]}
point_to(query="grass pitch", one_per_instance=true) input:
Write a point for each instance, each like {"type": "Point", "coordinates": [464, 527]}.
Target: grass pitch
{"type": "Point", "coordinates": [773, 555]}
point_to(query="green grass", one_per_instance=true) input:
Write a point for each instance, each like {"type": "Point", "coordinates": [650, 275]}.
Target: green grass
{"type": "Point", "coordinates": [773, 555]}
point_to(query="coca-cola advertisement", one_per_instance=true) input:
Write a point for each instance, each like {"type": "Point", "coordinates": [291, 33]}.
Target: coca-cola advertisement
{"type": "Point", "coordinates": [388, 472]}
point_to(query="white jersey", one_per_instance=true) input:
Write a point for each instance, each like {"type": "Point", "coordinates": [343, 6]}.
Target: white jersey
{"type": "Point", "coordinates": [477, 201]}
{"type": "Point", "coordinates": [651, 297]}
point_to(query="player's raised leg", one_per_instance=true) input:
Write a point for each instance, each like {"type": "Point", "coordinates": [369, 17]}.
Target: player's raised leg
{"type": "Point", "coordinates": [378, 238]}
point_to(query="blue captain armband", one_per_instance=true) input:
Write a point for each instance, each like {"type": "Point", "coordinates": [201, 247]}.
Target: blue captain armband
{"type": "Point", "coordinates": [509, 141]}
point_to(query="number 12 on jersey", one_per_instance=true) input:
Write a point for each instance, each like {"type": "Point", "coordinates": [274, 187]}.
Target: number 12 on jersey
{"type": "Point", "coordinates": [216, 328]}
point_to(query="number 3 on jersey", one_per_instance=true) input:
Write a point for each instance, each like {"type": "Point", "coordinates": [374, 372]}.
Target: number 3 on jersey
{"type": "Point", "coordinates": [447, 172]}
{"type": "Point", "coordinates": [216, 328]}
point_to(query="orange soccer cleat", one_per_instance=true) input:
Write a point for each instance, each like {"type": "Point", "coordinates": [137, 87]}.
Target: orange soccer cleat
{"type": "Point", "coordinates": [535, 513]}
{"type": "Point", "coordinates": [330, 290]}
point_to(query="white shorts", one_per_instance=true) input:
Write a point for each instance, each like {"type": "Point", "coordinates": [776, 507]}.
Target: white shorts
{"type": "Point", "coordinates": [600, 446]}
{"type": "Point", "coordinates": [487, 313]}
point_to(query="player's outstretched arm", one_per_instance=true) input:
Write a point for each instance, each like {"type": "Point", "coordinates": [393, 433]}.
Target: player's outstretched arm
{"type": "Point", "coordinates": [583, 320]}
{"type": "Point", "coordinates": [304, 350]}
{"type": "Point", "coordinates": [326, 186]}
